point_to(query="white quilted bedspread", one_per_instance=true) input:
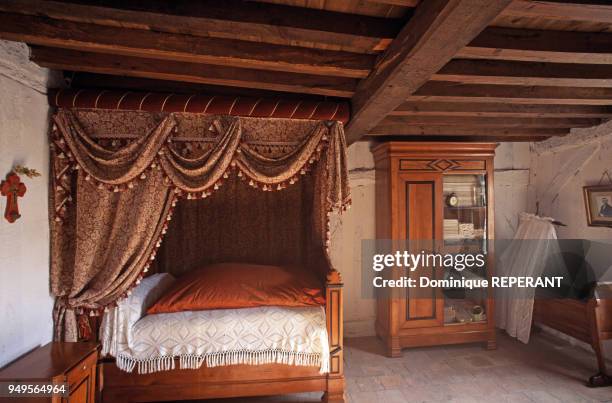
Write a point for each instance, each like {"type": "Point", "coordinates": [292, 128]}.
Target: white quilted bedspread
{"type": "Point", "coordinates": [262, 335]}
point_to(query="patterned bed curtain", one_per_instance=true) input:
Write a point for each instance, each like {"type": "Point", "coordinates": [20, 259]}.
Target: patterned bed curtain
{"type": "Point", "coordinates": [117, 177]}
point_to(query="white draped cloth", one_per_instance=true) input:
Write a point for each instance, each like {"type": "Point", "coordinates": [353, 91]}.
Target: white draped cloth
{"type": "Point", "coordinates": [252, 336]}
{"type": "Point", "coordinates": [534, 242]}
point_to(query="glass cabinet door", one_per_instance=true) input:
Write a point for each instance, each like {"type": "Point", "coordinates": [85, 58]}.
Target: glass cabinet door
{"type": "Point", "coordinates": [465, 232]}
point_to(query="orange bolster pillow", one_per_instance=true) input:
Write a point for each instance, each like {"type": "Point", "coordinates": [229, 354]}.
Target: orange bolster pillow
{"type": "Point", "coordinates": [240, 285]}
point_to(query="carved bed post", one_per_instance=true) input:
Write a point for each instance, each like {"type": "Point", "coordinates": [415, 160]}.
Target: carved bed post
{"type": "Point", "coordinates": [333, 313]}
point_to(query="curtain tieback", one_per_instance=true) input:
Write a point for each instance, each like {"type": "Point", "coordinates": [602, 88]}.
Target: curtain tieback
{"type": "Point", "coordinates": [63, 302]}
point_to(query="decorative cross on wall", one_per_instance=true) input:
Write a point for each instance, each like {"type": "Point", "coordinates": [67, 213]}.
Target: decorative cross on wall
{"type": "Point", "coordinates": [12, 188]}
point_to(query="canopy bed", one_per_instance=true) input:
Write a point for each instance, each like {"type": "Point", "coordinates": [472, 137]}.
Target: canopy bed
{"type": "Point", "coordinates": [174, 229]}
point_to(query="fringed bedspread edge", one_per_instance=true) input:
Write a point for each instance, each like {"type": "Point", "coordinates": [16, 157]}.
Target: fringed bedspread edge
{"type": "Point", "coordinates": [216, 359]}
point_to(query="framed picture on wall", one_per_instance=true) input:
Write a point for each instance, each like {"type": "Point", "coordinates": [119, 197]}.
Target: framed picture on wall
{"type": "Point", "coordinates": [598, 203]}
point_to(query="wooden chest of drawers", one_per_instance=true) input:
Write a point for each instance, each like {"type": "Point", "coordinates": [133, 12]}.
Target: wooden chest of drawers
{"type": "Point", "coordinates": [71, 363]}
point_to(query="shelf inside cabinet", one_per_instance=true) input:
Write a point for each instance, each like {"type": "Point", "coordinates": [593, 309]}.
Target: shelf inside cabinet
{"type": "Point", "coordinates": [465, 207]}
{"type": "Point", "coordinates": [480, 322]}
{"type": "Point", "coordinates": [465, 223]}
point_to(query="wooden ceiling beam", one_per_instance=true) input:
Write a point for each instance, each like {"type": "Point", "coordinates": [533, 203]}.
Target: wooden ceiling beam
{"type": "Point", "coordinates": [490, 122]}
{"type": "Point", "coordinates": [591, 11]}
{"type": "Point", "coordinates": [229, 19]}
{"type": "Point", "coordinates": [493, 138]}
{"type": "Point", "coordinates": [177, 47]}
{"type": "Point", "coordinates": [401, 3]}
{"type": "Point", "coordinates": [455, 92]}
{"type": "Point", "coordinates": [78, 79]}
{"type": "Point", "coordinates": [498, 43]}
{"type": "Point", "coordinates": [483, 109]}
{"type": "Point", "coordinates": [525, 73]}
{"type": "Point", "coordinates": [64, 59]}
{"type": "Point", "coordinates": [435, 33]}
{"type": "Point", "coordinates": [398, 129]}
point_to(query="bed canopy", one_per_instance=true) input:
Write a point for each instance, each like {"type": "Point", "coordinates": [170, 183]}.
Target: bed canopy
{"type": "Point", "coordinates": [224, 187]}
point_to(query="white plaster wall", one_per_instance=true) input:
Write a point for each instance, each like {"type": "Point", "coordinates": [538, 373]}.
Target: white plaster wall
{"type": "Point", "coordinates": [560, 168]}
{"type": "Point", "coordinates": [25, 303]}
{"type": "Point", "coordinates": [358, 223]}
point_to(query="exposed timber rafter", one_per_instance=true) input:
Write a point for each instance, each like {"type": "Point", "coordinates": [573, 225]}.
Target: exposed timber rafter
{"type": "Point", "coordinates": [432, 37]}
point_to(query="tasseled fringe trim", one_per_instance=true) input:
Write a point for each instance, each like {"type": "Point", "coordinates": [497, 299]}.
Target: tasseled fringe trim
{"type": "Point", "coordinates": [61, 151]}
{"type": "Point", "coordinates": [224, 358]}
{"type": "Point", "coordinates": [109, 347]}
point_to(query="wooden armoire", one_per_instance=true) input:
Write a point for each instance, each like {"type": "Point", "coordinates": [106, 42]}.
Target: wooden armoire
{"type": "Point", "coordinates": [415, 182]}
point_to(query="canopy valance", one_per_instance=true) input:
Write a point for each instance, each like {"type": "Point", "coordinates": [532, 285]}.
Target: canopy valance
{"type": "Point", "coordinates": [117, 177]}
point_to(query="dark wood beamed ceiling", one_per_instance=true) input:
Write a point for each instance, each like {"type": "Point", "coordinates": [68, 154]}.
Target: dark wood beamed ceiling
{"type": "Point", "coordinates": [458, 92]}
{"type": "Point", "coordinates": [106, 81]}
{"type": "Point", "coordinates": [593, 11]}
{"type": "Point", "coordinates": [497, 43]}
{"type": "Point", "coordinates": [504, 122]}
{"type": "Point", "coordinates": [180, 47]}
{"type": "Point", "coordinates": [542, 67]}
{"type": "Point", "coordinates": [525, 73]}
{"type": "Point", "coordinates": [484, 109]}
{"type": "Point", "coordinates": [476, 70]}
{"type": "Point", "coordinates": [435, 33]}
{"type": "Point", "coordinates": [229, 19]}
{"type": "Point", "coordinates": [403, 3]}
{"type": "Point", "coordinates": [63, 59]}
{"type": "Point", "coordinates": [494, 138]}
{"type": "Point", "coordinates": [467, 131]}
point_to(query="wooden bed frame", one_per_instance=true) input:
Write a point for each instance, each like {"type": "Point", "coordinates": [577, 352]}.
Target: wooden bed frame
{"type": "Point", "coordinates": [589, 321]}
{"type": "Point", "coordinates": [236, 380]}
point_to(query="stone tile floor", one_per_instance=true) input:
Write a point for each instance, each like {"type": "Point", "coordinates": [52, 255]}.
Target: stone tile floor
{"type": "Point", "coordinates": [545, 370]}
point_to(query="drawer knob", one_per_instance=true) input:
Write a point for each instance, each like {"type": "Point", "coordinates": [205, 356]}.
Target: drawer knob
{"type": "Point", "coordinates": [84, 367]}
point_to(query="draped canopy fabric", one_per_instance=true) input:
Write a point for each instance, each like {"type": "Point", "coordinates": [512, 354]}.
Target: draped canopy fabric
{"type": "Point", "coordinates": [117, 177]}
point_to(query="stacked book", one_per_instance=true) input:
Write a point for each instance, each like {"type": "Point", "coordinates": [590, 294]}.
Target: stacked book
{"type": "Point", "coordinates": [451, 229]}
